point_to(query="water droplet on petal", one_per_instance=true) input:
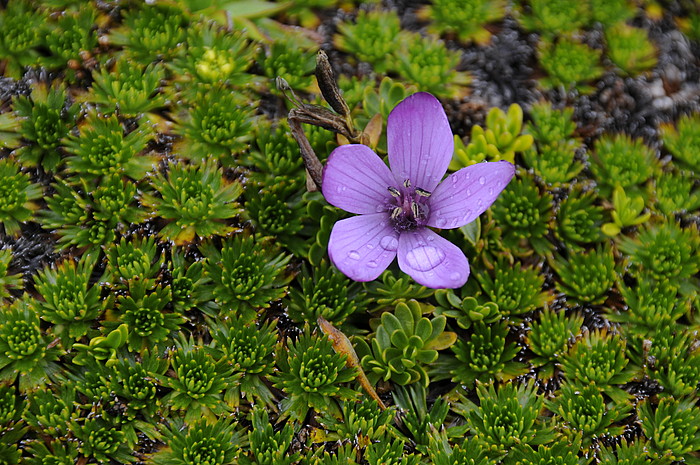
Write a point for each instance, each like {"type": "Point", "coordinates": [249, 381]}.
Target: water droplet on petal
{"type": "Point", "coordinates": [354, 254]}
{"type": "Point", "coordinates": [379, 209]}
{"type": "Point", "coordinates": [372, 264]}
{"type": "Point", "coordinates": [455, 222]}
{"type": "Point", "coordinates": [431, 238]}
{"type": "Point", "coordinates": [467, 175]}
{"type": "Point", "coordinates": [469, 192]}
{"type": "Point", "coordinates": [490, 190]}
{"type": "Point", "coordinates": [456, 276]}
{"type": "Point", "coordinates": [482, 180]}
{"type": "Point", "coordinates": [425, 258]}
{"type": "Point", "coordinates": [370, 246]}
{"type": "Point", "coordinates": [454, 180]}
{"type": "Point", "coordinates": [441, 222]}
{"type": "Point", "coordinates": [479, 203]}
{"type": "Point", "coordinates": [339, 189]}
{"type": "Point", "coordinates": [389, 243]}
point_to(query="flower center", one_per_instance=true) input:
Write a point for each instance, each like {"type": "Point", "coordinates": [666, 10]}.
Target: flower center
{"type": "Point", "coordinates": [410, 208]}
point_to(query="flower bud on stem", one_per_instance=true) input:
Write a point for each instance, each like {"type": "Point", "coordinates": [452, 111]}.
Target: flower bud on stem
{"type": "Point", "coordinates": [340, 122]}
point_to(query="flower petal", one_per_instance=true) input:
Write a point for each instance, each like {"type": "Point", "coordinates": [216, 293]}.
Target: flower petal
{"type": "Point", "coordinates": [419, 141]}
{"type": "Point", "coordinates": [356, 180]}
{"type": "Point", "coordinates": [363, 246]}
{"type": "Point", "coordinates": [467, 193]}
{"type": "Point", "coordinates": [432, 260]}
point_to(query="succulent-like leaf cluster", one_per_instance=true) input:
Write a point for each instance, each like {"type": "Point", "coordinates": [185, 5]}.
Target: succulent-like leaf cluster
{"type": "Point", "coordinates": [404, 343]}
{"type": "Point", "coordinates": [499, 141]}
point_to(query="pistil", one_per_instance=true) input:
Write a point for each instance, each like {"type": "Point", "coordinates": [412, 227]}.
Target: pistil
{"type": "Point", "coordinates": [411, 209]}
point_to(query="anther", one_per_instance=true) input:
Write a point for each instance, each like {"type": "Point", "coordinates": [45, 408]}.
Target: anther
{"type": "Point", "coordinates": [394, 191]}
{"type": "Point", "coordinates": [422, 192]}
{"type": "Point", "coordinates": [415, 209]}
{"type": "Point", "coordinates": [396, 212]}
{"type": "Point", "coordinates": [407, 183]}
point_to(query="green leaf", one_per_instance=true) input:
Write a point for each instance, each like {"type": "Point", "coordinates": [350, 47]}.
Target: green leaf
{"type": "Point", "coordinates": [424, 329]}
{"type": "Point", "coordinates": [472, 232]}
{"type": "Point", "coordinates": [254, 8]}
{"type": "Point", "coordinates": [391, 323]}
{"type": "Point", "coordinates": [443, 341]}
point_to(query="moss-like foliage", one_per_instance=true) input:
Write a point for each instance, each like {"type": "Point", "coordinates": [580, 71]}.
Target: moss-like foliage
{"type": "Point", "coordinates": [313, 375]}
{"type": "Point", "coordinates": [466, 19]}
{"type": "Point", "coordinates": [553, 18]}
{"type": "Point", "coordinates": [129, 89]}
{"type": "Point", "coordinates": [672, 427]}
{"type": "Point", "coordinates": [197, 199]}
{"type": "Point", "coordinates": [70, 301]}
{"type": "Point", "coordinates": [589, 276]}
{"type": "Point", "coordinates": [8, 280]}
{"type": "Point", "coordinates": [516, 290]}
{"type": "Point", "coordinates": [549, 338]}
{"type": "Point", "coordinates": [197, 381]}
{"type": "Point", "coordinates": [371, 38]}
{"type": "Point", "coordinates": [665, 251]}
{"type": "Point", "coordinates": [164, 254]}
{"type": "Point", "coordinates": [630, 49]}
{"type": "Point", "coordinates": [486, 355]}
{"type": "Point", "coordinates": [431, 66]}
{"type": "Point", "coordinates": [524, 213]}
{"type": "Point", "coordinates": [216, 125]}
{"type": "Point", "coordinates": [569, 64]}
{"type": "Point", "coordinates": [46, 120]}
{"type": "Point", "coordinates": [327, 293]}
{"type": "Point", "coordinates": [150, 32]}
{"type": "Point", "coordinates": [22, 28]}
{"type": "Point", "coordinates": [245, 275]}
{"type": "Point", "coordinates": [17, 195]}
{"type": "Point", "coordinates": [579, 218]}
{"type": "Point", "coordinates": [506, 416]}
{"type": "Point", "coordinates": [683, 140]}
{"type": "Point", "coordinates": [553, 157]}
{"type": "Point", "coordinates": [620, 160]}
{"type": "Point", "coordinates": [24, 351]}
{"type": "Point", "coordinates": [599, 358]}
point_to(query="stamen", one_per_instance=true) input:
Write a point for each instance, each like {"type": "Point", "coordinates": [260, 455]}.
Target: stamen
{"type": "Point", "coordinates": [422, 192]}
{"type": "Point", "coordinates": [394, 191]}
{"type": "Point", "coordinates": [415, 209]}
{"type": "Point", "coordinates": [396, 212]}
{"type": "Point", "coordinates": [407, 183]}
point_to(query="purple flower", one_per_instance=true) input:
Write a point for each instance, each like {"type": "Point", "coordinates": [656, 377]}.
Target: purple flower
{"type": "Point", "coordinates": [397, 206]}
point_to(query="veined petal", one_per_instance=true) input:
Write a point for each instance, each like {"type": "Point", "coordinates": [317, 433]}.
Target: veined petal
{"type": "Point", "coordinates": [363, 246]}
{"type": "Point", "coordinates": [432, 260]}
{"type": "Point", "coordinates": [419, 141]}
{"type": "Point", "coordinates": [357, 180]}
{"type": "Point", "coordinates": [467, 193]}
